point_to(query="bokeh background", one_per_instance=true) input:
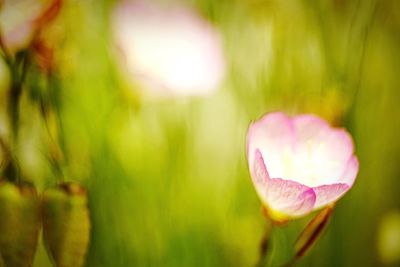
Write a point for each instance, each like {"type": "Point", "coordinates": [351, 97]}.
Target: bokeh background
{"type": "Point", "coordinates": [167, 177]}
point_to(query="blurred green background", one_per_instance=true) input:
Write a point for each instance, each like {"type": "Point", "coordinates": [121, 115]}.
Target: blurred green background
{"type": "Point", "coordinates": [167, 178]}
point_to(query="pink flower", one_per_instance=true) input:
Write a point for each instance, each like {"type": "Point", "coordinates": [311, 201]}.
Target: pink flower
{"type": "Point", "coordinates": [170, 50]}
{"type": "Point", "coordinates": [20, 21]}
{"type": "Point", "coordinates": [299, 164]}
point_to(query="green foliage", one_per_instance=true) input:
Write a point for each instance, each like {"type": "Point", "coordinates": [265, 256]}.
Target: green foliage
{"type": "Point", "coordinates": [167, 179]}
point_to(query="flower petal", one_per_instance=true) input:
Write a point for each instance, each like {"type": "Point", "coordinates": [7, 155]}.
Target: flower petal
{"type": "Point", "coordinates": [309, 128]}
{"type": "Point", "coordinates": [350, 173]}
{"type": "Point", "coordinates": [282, 198]}
{"type": "Point", "coordinates": [335, 143]}
{"type": "Point", "coordinates": [339, 145]}
{"type": "Point", "coordinates": [327, 194]}
{"type": "Point", "coordinates": [190, 60]}
{"type": "Point", "coordinates": [288, 198]}
{"type": "Point", "coordinates": [259, 175]}
{"type": "Point", "coordinates": [20, 37]}
{"type": "Point", "coordinates": [273, 135]}
{"type": "Point", "coordinates": [321, 152]}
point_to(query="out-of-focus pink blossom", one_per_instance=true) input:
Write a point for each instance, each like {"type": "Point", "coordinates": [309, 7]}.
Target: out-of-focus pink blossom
{"type": "Point", "coordinates": [299, 164]}
{"type": "Point", "coordinates": [168, 49]}
{"type": "Point", "coordinates": [21, 20]}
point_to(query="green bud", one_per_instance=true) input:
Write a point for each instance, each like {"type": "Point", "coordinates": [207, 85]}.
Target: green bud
{"type": "Point", "coordinates": [66, 224]}
{"type": "Point", "coordinates": [19, 224]}
{"type": "Point", "coordinates": [312, 231]}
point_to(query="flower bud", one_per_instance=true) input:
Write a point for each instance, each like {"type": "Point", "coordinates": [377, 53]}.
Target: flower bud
{"type": "Point", "coordinates": [312, 231]}
{"type": "Point", "coordinates": [66, 224]}
{"type": "Point", "coordinates": [19, 224]}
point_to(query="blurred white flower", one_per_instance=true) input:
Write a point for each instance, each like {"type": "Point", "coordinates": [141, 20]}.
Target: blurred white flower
{"type": "Point", "coordinates": [170, 50]}
{"type": "Point", "coordinates": [17, 22]}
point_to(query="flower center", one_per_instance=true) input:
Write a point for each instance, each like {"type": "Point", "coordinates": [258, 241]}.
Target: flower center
{"type": "Point", "coordinates": [308, 164]}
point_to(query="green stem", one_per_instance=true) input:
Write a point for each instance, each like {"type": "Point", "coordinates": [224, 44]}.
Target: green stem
{"type": "Point", "coordinates": [264, 245]}
{"type": "Point", "coordinates": [18, 68]}
{"type": "Point", "coordinates": [11, 169]}
{"type": "Point", "coordinates": [13, 109]}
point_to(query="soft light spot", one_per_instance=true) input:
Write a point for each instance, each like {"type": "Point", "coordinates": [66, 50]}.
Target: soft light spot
{"type": "Point", "coordinates": [169, 50]}
{"type": "Point", "coordinates": [389, 238]}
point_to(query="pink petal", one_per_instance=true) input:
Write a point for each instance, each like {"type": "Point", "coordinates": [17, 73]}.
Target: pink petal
{"type": "Point", "coordinates": [309, 128]}
{"type": "Point", "coordinates": [18, 21]}
{"type": "Point", "coordinates": [20, 37]}
{"type": "Point", "coordinates": [338, 144]}
{"type": "Point", "coordinates": [327, 148]}
{"type": "Point", "coordinates": [289, 198]}
{"type": "Point", "coordinates": [273, 135]}
{"type": "Point", "coordinates": [259, 175]}
{"type": "Point", "coordinates": [327, 194]}
{"type": "Point", "coordinates": [282, 197]}
{"type": "Point", "coordinates": [350, 173]}
{"type": "Point", "coordinates": [190, 60]}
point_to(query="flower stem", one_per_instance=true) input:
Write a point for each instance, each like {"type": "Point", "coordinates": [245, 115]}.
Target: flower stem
{"type": "Point", "coordinates": [13, 109]}
{"type": "Point", "coordinates": [18, 67]}
{"type": "Point", "coordinates": [264, 244]}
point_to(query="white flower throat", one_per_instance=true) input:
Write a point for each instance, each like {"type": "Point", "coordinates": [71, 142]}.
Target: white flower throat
{"type": "Point", "coordinates": [307, 164]}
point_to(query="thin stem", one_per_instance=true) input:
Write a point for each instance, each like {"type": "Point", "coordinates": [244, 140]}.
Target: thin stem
{"type": "Point", "coordinates": [13, 109]}
{"type": "Point", "coordinates": [18, 67]}
{"type": "Point", "coordinates": [264, 245]}
{"type": "Point", "coordinates": [18, 71]}
{"type": "Point", "coordinates": [11, 170]}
